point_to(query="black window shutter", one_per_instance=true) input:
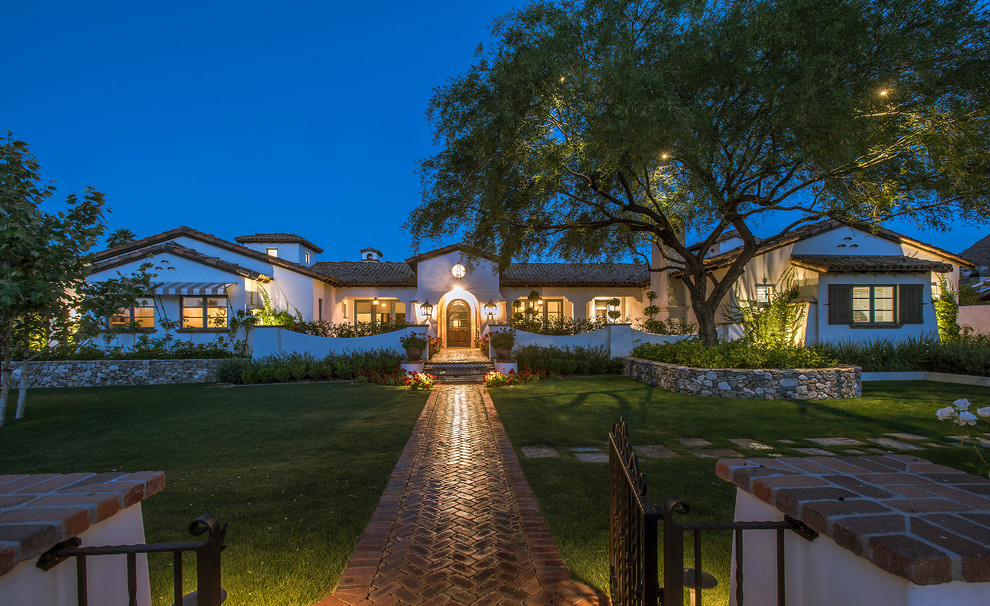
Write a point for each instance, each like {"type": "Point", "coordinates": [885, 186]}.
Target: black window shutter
{"type": "Point", "coordinates": [840, 304]}
{"type": "Point", "coordinates": [911, 304]}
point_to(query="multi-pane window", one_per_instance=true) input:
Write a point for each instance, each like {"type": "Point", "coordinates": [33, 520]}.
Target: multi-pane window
{"type": "Point", "coordinates": [875, 304]}
{"type": "Point", "coordinates": [365, 310]}
{"type": "Point", "coordinates": [546, 309]}
{"type": "Point", "coordinates": [764, 292]}
{"type": "Point", "coordinates": [204, 312]}
{"type": "Point", "coordinates": [605, 305]}
{"type": "Point", "coordinates": [272, 252]}
{"type": "Point", "coordinates": [142, 313]}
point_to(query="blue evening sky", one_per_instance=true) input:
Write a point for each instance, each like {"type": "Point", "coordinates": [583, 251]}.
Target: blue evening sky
{"type": "Point", "coordinates": [243, 117]}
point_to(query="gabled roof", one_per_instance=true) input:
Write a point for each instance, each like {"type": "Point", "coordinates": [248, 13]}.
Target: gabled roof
{"type": "Point", "coordinates": [803, 233]}
{"type": "Point", "coordinates": [362, 273]}
{"type": "Point", "coordinates": [468, 251]}
{"type": "Point", "coordinates": [867, 263]}
{"type": "Point", "coordinates": [575, 274]}
{"type": "Point", "coordinates": [374, 250]}
{"type": "Point", "coordinates": [183, 252]}
{"type": "Point", "coordinates": [278, 238]}
{"type": "Point", "coordinates": [979, 252]}
{"type": "Point", "coordinates": [215, 241]}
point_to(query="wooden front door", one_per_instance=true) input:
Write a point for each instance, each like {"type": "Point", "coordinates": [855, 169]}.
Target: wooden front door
{"type": "Point", "coordinates": [458, 324]}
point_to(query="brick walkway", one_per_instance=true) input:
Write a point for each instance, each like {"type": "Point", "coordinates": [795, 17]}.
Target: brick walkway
{"type": "Point", "coordinates": [457, 523]}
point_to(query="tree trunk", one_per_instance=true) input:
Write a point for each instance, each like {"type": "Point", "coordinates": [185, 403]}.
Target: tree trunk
{"type": "Point", "coordinates": [22, 391]}
{"type": "Point", "coordinates": [6, 376]}
{"type": "Point", "coordinates": [705, 313]}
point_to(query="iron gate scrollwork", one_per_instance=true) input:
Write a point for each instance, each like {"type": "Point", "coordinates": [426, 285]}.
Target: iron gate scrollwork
{"type": "Point", "coordinates": [633, 539]}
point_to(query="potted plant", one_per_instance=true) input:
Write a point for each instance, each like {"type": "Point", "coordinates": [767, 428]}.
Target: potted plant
{"type": "Point", "coordinates": [502, 342]}
{"type": "Point", "coordinates": [613, 311]}
{"type": "Point", "coordinates": [414, 345]}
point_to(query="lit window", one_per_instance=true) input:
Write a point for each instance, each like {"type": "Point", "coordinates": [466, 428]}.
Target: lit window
{"type": "Point", "coordinates": [764, 292]}
{"type": "Point", "coordinates": [386, 311]}
{"type": "Point", "coordinates": [272, 252]}
{"type": "Point", "coordinates": [204, 312]}
{"type": "Point", "coordinates": [547, 309]}
{"type": "Point", "coordinates": [604, 306]}
{"type": "Point", "coordinates": [143, 313]}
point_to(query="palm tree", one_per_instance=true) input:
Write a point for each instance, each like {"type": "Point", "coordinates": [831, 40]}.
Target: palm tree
{"type": "Point", "coordinates": [119, 237]}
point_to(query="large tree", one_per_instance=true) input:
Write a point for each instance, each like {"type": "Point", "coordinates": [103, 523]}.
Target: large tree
{"type": "Point", "coordinates": [592, 126]}
{"type": "Point", "coordinates": [44, 261]}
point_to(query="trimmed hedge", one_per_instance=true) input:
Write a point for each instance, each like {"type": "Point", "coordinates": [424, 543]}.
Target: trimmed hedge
{"type": "Point", "coordinates": [733, 354]}
{"type": "Point", "coordinates": [378, 366]}
{"type": "Point", "coordinates": [568, 360]}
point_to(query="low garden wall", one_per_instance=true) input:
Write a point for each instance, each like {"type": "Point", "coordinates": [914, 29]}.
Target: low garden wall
{"type": "Point", "coordinates": [770, 384]}
{"type": "Point", "coordinates": [104, 373]}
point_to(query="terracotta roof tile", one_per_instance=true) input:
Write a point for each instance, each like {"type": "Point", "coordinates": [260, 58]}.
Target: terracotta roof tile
{"type": "Point", "coordinates": [183, 252]}
{"type": "Point", "coordinates": [367, 273]}
{"type": "Point", "coordinates": [278, 238]}
{"type": "Point", "coordinates": [867, 263]}
{"type": "Point", "coordinates": [576, 274]}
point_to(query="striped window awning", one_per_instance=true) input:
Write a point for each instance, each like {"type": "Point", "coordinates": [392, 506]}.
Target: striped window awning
{"type": "Point", "coordinates": [192, 288]}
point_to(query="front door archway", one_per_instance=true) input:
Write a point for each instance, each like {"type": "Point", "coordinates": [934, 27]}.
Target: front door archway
{"type": "Point", "coordinates": [458, 324]}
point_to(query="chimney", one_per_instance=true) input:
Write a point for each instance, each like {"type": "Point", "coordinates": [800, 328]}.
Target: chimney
{"type": "Point", "coordinates": [371, 254]}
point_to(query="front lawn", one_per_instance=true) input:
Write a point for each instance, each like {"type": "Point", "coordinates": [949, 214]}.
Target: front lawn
{"type": "Point", "coordinates": [296, 470]}
{"type": "Point", "coordinates": [578, 412]}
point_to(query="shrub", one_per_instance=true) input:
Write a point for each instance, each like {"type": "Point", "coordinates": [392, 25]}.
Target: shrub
{"type": "Point", "coordinates": [231, 369]}
{"type": "Point", "coordinates": [554, 326]}
{"type": "Point", "coordinates": [733, 354]}
{"type": "Point", "coordinates": [503, 339]}
{"type": "Point", "coordinates": [322, 328]}
{"type": "Point", "coordinates": [413, 342]}
{"type": "Point", "coordinates": [568, 360]}
{"type": "Point", "coordinates": [968, 355]}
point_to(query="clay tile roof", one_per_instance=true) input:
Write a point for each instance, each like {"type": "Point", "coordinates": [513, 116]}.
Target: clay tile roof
{"type": "Point", "coordinates": [468, 251]}
{"type": "Point", "coordinates": [179, 251]}
{"type": "Point", "coordinates": [361, 273]}
{"type": "Point", "coordinates": [374, 250]}
{"type": "Point", "coordinates": [278, 238]}
{"type": "Point", "coordinates": [867, 263]}
{"type": "Point", "coordinates": [575, 274]}
{"type": "Point", "coordinates": [195, 234]}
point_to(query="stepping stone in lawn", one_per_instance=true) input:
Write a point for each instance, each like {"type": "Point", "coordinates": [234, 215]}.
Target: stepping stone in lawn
{"type": "Point", "coordinates": [836, 442]}
{"type": "Point", "coordinates": [878, 451]}
{"type": "Point", "coordinates": [894, 444]}
{"type": "Point", "coordinates": [906, 436]}
{"type": "Point", "coordinates": [786, 441]}
{"type": "Point", "coordinates": [655, 451]}
{"type": "Point", "coordinates": [694, 442]}
{"type": "Point", "coordinates": [816, 451]}
{"type": "Point", "coordinates": [853, 451]}
{"type": "Point", "coordinates": [964, 440]}
{"type": "Point", "coordinates": [750, 444]}
{"type": "Point", "coordinates": [584, 449]}
{"type": "Point", "coordinates": [592, 457]}
{"type": "Point", "coordinates": [716, 453]}
{"type": "Point", "coordinates": [539, 452]}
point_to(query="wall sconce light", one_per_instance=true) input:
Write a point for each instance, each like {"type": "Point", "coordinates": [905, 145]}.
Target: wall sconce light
{"type": "Point", "coordinates": [490, 309]}
{"type": "Point", "coordinates": [375, 302]}
{"type": "Point", "coordinates": [458, 271]}
{"type": "Point", "coordinates": [427, 309]}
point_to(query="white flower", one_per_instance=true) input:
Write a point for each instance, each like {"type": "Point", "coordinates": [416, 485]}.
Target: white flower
{"type": "Point", "coordinates": [961, 404]}
{"type": "Point", "coordinates": [966, 418]}
{"type": "Point", "coordinates": [944, 414]}
{"type": "Point", "coordinates": [983, 412]}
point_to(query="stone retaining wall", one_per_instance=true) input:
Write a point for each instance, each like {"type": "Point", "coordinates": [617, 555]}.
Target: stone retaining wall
{"type": "Point", "coordinates": [771, 384]}
{"type": "Point", "coordinates": [103, 373]}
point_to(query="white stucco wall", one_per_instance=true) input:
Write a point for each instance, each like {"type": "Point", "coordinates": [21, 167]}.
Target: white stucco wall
{"type": "Point", "coordinates": [820, 573]}
{"type": "Point", "coordinates": [287, 251]}
{"type": "Point", "coordinates": [27, 584]}
{"type": "Point", "coordinates": [843, 332]}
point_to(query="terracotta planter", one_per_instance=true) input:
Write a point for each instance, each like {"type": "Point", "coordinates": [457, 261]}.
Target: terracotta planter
{"type": "Point", "coordinates": [503, 354]}
{"type": "Point", "coordinates": [414, 353]}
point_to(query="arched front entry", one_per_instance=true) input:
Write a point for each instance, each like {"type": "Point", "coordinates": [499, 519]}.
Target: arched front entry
{"type": "Point", "coordinates": [458, 324]}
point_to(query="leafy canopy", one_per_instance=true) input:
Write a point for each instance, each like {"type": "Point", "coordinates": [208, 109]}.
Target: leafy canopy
{"type": "Point", "coordinates": [593, 125]}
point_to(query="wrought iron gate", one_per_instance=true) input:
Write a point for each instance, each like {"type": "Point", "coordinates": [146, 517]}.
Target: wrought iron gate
{"type": "Point", "coordinates": [208, 590]}
{"type": "Point", "coordinates": [633, 544]}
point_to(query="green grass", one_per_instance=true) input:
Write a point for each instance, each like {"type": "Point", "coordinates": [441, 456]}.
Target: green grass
{"type": "Point", "coordinates": [296, 470]}
{"type": "Point", "coordinates": [576, 412]}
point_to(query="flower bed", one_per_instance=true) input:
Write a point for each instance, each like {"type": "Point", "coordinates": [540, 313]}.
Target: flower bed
{"type": "Point", "coordinates": [768, 384]}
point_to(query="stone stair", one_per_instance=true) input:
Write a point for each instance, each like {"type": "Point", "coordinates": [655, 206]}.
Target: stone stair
{"type": "Point", "coordinates": [459, 372]}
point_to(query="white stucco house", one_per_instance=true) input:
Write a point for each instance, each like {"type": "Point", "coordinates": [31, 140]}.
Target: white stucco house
{"type": "Point", "coordinates": [855, 284]}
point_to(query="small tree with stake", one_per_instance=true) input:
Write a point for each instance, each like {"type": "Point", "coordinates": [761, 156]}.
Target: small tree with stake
{"type": "Point", "coordinates": [43, 263]}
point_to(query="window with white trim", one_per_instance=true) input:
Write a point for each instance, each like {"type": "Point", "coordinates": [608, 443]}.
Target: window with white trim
{"type": "Point", "coordinates": [204, 312]}
{"type": "Point", "coordinates": [142, 313]}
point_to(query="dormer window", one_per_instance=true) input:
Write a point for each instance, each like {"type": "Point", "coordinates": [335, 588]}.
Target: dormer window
{"type": "Point", "coordinates": [273, 252]}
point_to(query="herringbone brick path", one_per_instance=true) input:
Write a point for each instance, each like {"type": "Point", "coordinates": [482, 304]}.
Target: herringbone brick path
{"type": "Point", "coordinates": [457, 523]}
